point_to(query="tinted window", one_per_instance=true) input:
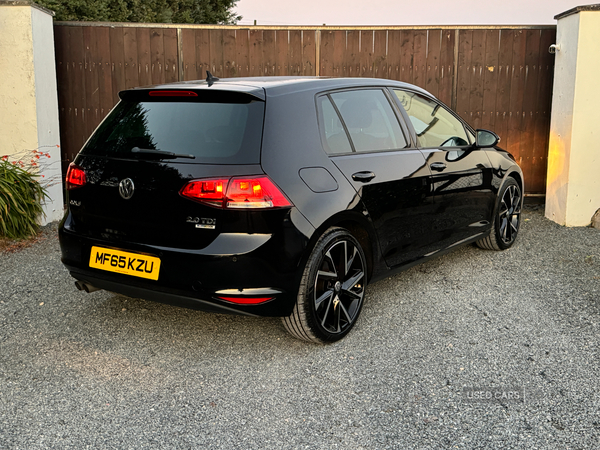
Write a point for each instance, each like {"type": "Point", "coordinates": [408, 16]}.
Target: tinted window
{"type": "Point", "coordinates": [223, 132]}
{"type": "Point", "coordinates": [333, 135]}
{"type": "Point", "coordinates": [370, 120]}
{"type": "Point", "coordinates": [435, 126]}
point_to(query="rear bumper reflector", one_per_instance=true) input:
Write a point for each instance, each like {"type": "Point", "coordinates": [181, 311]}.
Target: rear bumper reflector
{"type": "Point", "coordinates": [246, 300]}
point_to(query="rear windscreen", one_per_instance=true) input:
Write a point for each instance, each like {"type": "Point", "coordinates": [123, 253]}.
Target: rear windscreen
{"type": "Point", "coordinates": [216, 129]}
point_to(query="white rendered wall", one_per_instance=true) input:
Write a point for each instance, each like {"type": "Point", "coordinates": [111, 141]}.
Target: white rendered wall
{"type": "Point", "coordinates": [46, 99]}
{"type": "Point", "coordinates": [18, 118]}
{"type": "Point", "coordinates": [573, 186]}
{"type": "Point", "coordinates": [28, 95]}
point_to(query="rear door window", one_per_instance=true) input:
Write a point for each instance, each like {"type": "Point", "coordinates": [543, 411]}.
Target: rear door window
{"type": "Point", "coordinates": [216, 129]}
{"type": "Point", "coordinates": [359, 120]}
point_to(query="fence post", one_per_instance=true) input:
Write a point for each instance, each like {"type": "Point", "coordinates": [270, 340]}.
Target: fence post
{"type": "Point", "coordinates": [318, 52]}
{"type": "Point", "coordinates": [454, 99]}
{"type": "Point", "coordinates": [180, 66]}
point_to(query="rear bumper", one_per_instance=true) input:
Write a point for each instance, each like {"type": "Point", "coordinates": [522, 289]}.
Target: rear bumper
{"type": "Point", "coordinates": [266, 266]}
{"type": "Point", "coordinates": [170, 298]}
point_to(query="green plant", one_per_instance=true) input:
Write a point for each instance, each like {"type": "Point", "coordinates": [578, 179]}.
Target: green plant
{"type": "Point", "coordinates": [21, 195]}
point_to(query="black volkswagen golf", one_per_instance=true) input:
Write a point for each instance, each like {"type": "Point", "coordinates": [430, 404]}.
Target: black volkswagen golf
{"type": "Point", "coordinates": [280, 196]}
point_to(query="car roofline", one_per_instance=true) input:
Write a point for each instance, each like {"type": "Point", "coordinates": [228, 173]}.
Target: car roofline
{"type": "Point", "coordinates": [259, 86]}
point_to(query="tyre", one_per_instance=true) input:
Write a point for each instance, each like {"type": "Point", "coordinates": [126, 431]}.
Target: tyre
{"type": "Point", "coordinates": [331, 291]}
{"type": "Point", "coordinates": [507, 218]}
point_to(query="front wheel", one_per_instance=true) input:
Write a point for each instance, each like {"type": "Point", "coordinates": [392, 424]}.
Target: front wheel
{"type": "Point", "coordinates": [507, 219]}
{"type": "Point", "coordinates": [332, 289]}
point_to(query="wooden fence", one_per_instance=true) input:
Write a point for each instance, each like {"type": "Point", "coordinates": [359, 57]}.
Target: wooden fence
{"type": "Point", "coordinates": [494, 77]}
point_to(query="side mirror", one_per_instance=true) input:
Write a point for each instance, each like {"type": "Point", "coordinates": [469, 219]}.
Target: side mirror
{"type": "Point", "coordinates": [486, 139]}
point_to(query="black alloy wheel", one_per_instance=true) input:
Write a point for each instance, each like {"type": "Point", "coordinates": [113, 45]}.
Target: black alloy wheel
{"type": "Point", "coordinates": [332, 290]}
{"type": "Point", "coordinates": [507, 220]}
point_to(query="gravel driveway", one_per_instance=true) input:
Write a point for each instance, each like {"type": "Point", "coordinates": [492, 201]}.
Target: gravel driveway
{"type": "Point", "coordinates": [105, 371]}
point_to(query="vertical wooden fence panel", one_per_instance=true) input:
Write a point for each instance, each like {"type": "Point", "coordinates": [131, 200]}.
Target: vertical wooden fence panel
{"type": "Point", "coordinates": [432, 63]}
{"type": "Point", "coordinates": [309, 53]}
{"type": "Point", "coordinates": [446, 66]}
{"type": "Point", "coordinates": [379, 57]}
{"type": "Point", "coordinates": [171, 55]}
{"type": "Point", "coordinates": [295, 52]}
{"type": "Point", "coordinates": [243, 54]}
{"type": "Point", "coordinates": [229, 54]}
{"type": "Point", "coordinates": [505, 56]}
{"type": "Point", "coordinates": [157, 56]}
{"type": "Point", "coordinates": [499, 79]}
{"type": "Point", "coordinates": [490, 79]}
{"type": "Point", "coordinates": [188, 54]}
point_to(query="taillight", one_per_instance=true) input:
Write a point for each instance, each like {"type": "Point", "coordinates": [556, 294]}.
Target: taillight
{"type": "Point", "coordinates": [75, 177]}
{"type": "Point", "coordinates": [211, 192]}
{"type": "Point", "coordinates": [236, 193]}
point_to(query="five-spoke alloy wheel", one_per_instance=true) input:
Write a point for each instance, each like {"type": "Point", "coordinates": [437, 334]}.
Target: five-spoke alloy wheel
{"type": "Point", "coordinates": [507, 219]}
{"type": "Point", "coordinates": [332, 289]}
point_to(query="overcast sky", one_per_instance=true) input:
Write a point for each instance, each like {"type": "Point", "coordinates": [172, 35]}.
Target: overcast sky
{"type": "Point", "coordinates": [402, 12]}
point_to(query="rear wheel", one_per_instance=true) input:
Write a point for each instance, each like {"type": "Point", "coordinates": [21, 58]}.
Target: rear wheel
{"type": "Point", "coordinates": [332, 289]}
{"type": "Point", "coordinates": [507, 219]}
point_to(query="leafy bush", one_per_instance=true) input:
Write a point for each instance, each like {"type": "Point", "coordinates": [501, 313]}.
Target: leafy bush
{"type": "Point", "coordinates": [21, 195]}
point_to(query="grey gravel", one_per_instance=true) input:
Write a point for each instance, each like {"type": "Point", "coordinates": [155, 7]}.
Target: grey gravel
{"type": "Point", "coordinates": [104, 371]}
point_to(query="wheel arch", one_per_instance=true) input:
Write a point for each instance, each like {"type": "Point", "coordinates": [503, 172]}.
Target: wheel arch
{"type": "Point", "coordinates": [359, 226]}
{"type": "Point", "coordinates": [518, 178]}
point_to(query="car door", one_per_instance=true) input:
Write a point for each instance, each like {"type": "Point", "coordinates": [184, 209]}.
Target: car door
{"type": "Point", "coordinates": [361, 132]}
{"type": "Point", "coordinates": [461, 174]}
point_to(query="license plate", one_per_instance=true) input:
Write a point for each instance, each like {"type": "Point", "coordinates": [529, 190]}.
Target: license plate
{"type": "Point", "coordinates": [133, 264]}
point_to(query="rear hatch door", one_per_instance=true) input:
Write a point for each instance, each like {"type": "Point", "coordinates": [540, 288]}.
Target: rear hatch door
{"type": "Point", "coordinates": [148, 148]}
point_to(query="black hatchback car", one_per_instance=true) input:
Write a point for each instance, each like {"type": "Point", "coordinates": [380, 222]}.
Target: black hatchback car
{"type": "Point", "coordinates": [280, 196]}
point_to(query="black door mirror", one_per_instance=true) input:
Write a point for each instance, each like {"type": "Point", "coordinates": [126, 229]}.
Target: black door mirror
{"type": "Point", "coordinates": [486, 138]}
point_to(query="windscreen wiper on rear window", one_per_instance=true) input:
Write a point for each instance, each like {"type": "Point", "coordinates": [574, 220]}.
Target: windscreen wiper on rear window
{"type": "Point", "coordinates": [160, 153]}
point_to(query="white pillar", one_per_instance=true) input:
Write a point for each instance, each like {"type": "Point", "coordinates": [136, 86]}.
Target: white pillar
{"type": "Point", "coordinates": [573, 186]}
{"type": "Point", "coordinates": [28, 95]}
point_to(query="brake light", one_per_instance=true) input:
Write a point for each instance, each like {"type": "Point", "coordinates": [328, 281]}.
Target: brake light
{"type": "Point", "coordinates": [173, 93]}
{"type": "Point", "coordinates": [211, 192]}
{"type": "Point", "coordinates": [236, 193]}
{"type": "Point", "coordinates": [75, 177]}
{"type": "Point", "coordinates": [247, 300]}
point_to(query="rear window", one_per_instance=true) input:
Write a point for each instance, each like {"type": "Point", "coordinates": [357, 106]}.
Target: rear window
{"type": "Point", "coordinates": [216, 128]}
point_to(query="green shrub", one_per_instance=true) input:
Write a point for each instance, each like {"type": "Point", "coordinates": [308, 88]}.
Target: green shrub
{"type": "Point", "coordinates": [21, 195]}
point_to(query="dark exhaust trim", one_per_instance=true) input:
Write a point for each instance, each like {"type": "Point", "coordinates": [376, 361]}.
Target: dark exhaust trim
{"type": "Point", "coordinates": [85, 286]}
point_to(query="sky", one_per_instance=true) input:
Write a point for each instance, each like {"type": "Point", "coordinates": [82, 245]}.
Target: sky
{"type": "Point", "coordinates": [402, 12]}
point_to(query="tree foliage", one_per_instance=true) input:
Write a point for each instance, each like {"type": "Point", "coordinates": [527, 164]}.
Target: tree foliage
{"type": "Point", "coordinates": [152, 11]}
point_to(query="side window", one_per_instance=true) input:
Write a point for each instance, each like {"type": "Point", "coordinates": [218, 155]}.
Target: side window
{"type": "Point", "coordinates": [333, 135]}
{"type": "Point", "coordinates": [369, 119]}
{"type": "Point", "coordinates": [435, 126]}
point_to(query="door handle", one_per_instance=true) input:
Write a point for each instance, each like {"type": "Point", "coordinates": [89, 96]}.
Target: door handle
{"type": "Point", "coordinates": [437, 166]}
{"type": "Point", "coordinates": [363, 177]}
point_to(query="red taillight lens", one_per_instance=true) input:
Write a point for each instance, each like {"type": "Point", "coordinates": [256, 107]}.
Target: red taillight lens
{"type": "Point", "coordinates": [75, 177]}
{"type": "Point", "coordinates": [247, 300]}
{"type": "Point", "coordinates": [254, 193]}
{"type": "Point", "coordinates": [211, 192]}
{"type": "Point", "coordinates": [237, 193]}
{"type": "Point", "coordinates": [174, 93]}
